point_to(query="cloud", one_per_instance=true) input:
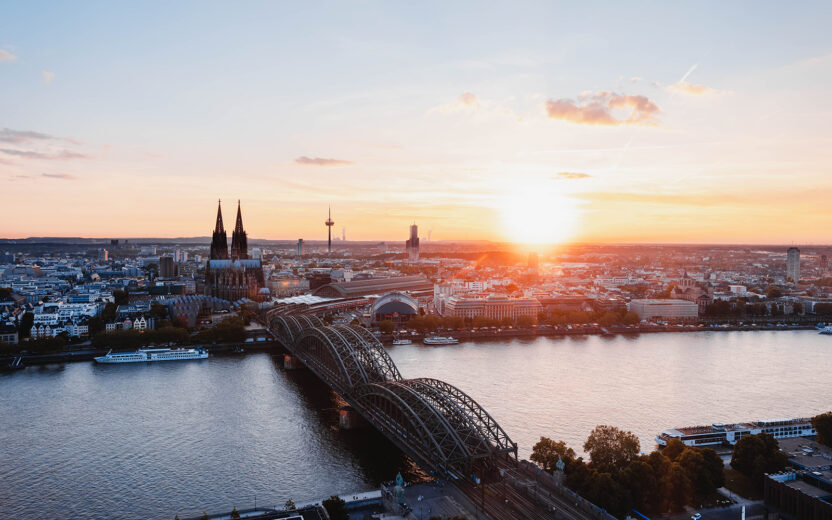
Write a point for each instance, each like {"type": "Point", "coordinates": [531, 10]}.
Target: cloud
{"type": "Point", "coordinates": [7, 56]}
{"type": "Point", "coordinates": [686, 87]}
{"type": "Point", "coordinates": [683, 86]}
{"type": "Point", "coordinates": [468, 99]}
{"type": "Point", "coordinates": [571, 175]}
{"type": "Point", "coordinates": [47, 76]}
{"type": "Point", "coordinates": [321, 161]}
{"type": "Point", "coordinates": [64, 176]}
{"type": "Point", "coordinates": [597, 109]}
{"type": "Point", "coordinates": [63, 155]}
{"type": "Point", "coordinates": [466, 102]}
{"type": "Point", "coordinates": [7, 135]}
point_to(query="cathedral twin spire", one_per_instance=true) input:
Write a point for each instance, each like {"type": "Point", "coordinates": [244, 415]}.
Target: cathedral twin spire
{"type": "Point", "coordinates": [239, 239]}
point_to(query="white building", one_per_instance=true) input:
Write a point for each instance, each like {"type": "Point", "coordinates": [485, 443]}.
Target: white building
{"type": "Point", "coordinates": [683, 310]}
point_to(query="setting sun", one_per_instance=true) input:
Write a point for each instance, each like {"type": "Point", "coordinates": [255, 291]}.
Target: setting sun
{"type": "Point", "coordinates": [538, 215]}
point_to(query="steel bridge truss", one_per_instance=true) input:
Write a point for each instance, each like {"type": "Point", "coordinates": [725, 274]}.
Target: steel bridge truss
{"type": "Point", "coordinates": [435, 423]}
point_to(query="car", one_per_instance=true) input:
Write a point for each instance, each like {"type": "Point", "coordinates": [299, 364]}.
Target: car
{"type": "Point", "coordinates": [696, 516]}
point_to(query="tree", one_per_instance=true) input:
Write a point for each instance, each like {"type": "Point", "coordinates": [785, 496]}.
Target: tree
{"type": "Point", "coordinates": [756, 455]}
{"type": "Point", "coordinates": [235, 513]}
{"type": "Point", "coordinates": [630, 318]}
{"type": "Point", "coordinates": [525, 321]}
{"type": "Point", "coordinates": [797, 308]}
{"type": "Point", "coordinates": [158, 310]}
{"type": "Point", "coordinates": [611, 449]}
{"type": "Point", "coordinates": [823, 425]}
{"type": "Point", "coordinates": [96, 325]}
{"type": "Point", "coordinates": [678, 488]}
{"type": "Point", "coordinates": [773, 292]}
{"type": "Point", "coordinates": [289, 505]}
{"type": "Point", "coordinates": [336, 508]}
{"type": "Point", "coordinates": [109, 312]}
{"type": "Point", "coordinates": [639, 479]}
{"type": "Point", "coordinates": [386, 326]}
{"type": "Point", "coordinates": [547, 452]}
{"type": "Point", "coordinates": [25, 326]}
{"type": "Point", "coordinates": [121, 297]}
{"type": "Point", "coordinates": [673, 449]}
{"type": "Point", "coordinates": [823, 309]}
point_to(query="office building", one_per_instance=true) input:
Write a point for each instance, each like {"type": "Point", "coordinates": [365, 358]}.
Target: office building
{"type": "Point", "coordinates": [793, 264]}
{"type": "Point", "coordinates": [673, 310]}
{"type": "Point", "coordinates": [166, 267]}
{"type": "Point", "coordinates": [412, 244]}
{"type": "Point", "coordinates": [299, 251]}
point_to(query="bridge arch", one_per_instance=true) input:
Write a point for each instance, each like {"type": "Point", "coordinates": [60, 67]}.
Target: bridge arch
{"type": "Point", "coordinates": [440, 424]}
{"type": "Point", "coordinates": [288, 328]}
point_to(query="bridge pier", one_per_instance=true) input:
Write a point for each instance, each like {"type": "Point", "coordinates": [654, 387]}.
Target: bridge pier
{"type": "Point", "coordinates": [291, 362]}
{"type": "Point", "coordinates": [349, 419]}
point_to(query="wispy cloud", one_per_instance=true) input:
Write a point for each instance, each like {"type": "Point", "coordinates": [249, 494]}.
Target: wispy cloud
{"type": "Point", "coordinates": [571, 175]}
{"type": "Point", "coordinates": [683, 86]}
{"type": "Point", "coordinates": [47, 76]}
{"type": "Point", "coordinates": [63, 176]}
{"type": "Point", "coordinates": [63, 155]}
{"type": "Point", "coordinates": [598, 109]}
{"type": "Point", "coordinates": [7, 135]}
{"type": "Point", "coordinates": [466, 102]}
{"type": "Point", "coordinates": [686, 87]}
{"type": "Point", "coordinates": [6, 56]}
{"type": "Point", "coordinates": [322, 161]}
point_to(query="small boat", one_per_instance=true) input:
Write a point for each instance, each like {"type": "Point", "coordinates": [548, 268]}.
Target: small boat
{"type": "Point", "coordinates": [440, 340]}
{"type": "Point", "coordinates": [144, 355]}
{"type": "Point", "coordinates": [826, 330]}
{"type": "Point", "coordinates": [401, 341]}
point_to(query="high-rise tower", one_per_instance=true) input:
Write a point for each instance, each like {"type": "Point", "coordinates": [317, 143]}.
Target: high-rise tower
{"type": "Point", "coordinates": [329, 223]}
{"type": "Point", "coordinates": [412, 244]}
{"type": "Point", "coordinates": [793, 264]}
{"type": "Point", "coordinates": [239, 240]}
{"type": "Point", "coordinates": [219, 242]}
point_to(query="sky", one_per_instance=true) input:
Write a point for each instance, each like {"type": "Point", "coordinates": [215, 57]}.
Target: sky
{"type": "Point", "coordinates": [538, 122]}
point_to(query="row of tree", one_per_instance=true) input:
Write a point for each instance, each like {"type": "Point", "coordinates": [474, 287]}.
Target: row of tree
{"type": "Point", "coordinates": [556, 317]}
{"type": "Point", "coordinates": [229, 330]}
{"type": "Point", "coordinates": [131, 339]}
{"type": "Point", "coordinates": [601, 317]}
{"type": "Point", "coordinates": [618, 478]}
{"type": "Point", "coordinates": [741, 308]}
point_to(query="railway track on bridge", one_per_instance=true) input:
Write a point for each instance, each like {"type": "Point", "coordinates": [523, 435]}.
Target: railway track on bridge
{"type": "Point", "coordinates": [436, 424]}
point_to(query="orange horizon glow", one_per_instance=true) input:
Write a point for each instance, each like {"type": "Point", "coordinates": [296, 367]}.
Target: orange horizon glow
{"type": "Point", "coordinates": [512, 132]}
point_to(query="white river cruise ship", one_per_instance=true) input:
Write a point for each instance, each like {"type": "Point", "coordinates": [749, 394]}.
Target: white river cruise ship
{"type": "Point", "coordinates": [144, 355]}
{"type": "Point", "coordinates": [731, 433]}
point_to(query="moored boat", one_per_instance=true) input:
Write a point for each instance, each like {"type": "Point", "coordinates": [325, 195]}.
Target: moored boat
{"type": "Point", "coordinates": [144, 355]}
{"type": "Point", "coordinates": [731, 433]}
{"type": "Point", "coordinates": [440, 340]}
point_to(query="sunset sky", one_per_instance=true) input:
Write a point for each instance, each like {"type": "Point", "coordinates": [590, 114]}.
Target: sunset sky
{"type": "Point", "coordinates": [621, 122]}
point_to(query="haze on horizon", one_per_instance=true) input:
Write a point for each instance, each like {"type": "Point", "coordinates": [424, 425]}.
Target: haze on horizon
{"type": "Point", "coordinates": [535, 122]}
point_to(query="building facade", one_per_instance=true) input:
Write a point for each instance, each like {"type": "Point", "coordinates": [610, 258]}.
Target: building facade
{"type": "Point", "coordinates": [793, 264]}
{"type": "Point", "coordinates": [412, 244]}
{"type": "Point", "coordinates": [674, 310]}
{"type": "Point", "coordinates": [492, 307]}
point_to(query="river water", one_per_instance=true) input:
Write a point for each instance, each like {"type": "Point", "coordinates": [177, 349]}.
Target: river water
{"type": "Point", "coordinates": [150, 441]}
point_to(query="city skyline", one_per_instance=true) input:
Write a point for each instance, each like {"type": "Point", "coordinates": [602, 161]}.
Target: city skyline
{"type": "Point", "coordinates": [655, 123]}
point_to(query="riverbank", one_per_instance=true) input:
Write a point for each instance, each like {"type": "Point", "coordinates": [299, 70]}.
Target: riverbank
{"type": "Point", "coordinates": [88, 354]}
{"type": "Point", "coordinates": [583, 330]}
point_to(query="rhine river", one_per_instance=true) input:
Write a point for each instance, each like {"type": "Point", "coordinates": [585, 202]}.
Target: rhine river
{"type": "Point", "coordinates": [150, 441]}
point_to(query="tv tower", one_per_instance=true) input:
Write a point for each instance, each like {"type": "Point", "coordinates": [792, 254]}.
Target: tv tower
{"type": "Point", "coordinates": [329, 223]}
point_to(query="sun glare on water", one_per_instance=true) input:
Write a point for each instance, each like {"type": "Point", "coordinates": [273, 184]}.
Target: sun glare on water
{"type": "Point", "coordinates": [536, 215]}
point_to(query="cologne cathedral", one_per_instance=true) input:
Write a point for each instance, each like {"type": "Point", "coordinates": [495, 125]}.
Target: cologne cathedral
{"type": "Point", "coordinates": [235, 276]}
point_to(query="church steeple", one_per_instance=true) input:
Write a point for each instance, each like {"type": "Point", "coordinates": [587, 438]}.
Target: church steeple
{"type": "Point", "coordinates": [219, 242]}
{"type": "Point", "coordinates": [239, 240]}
